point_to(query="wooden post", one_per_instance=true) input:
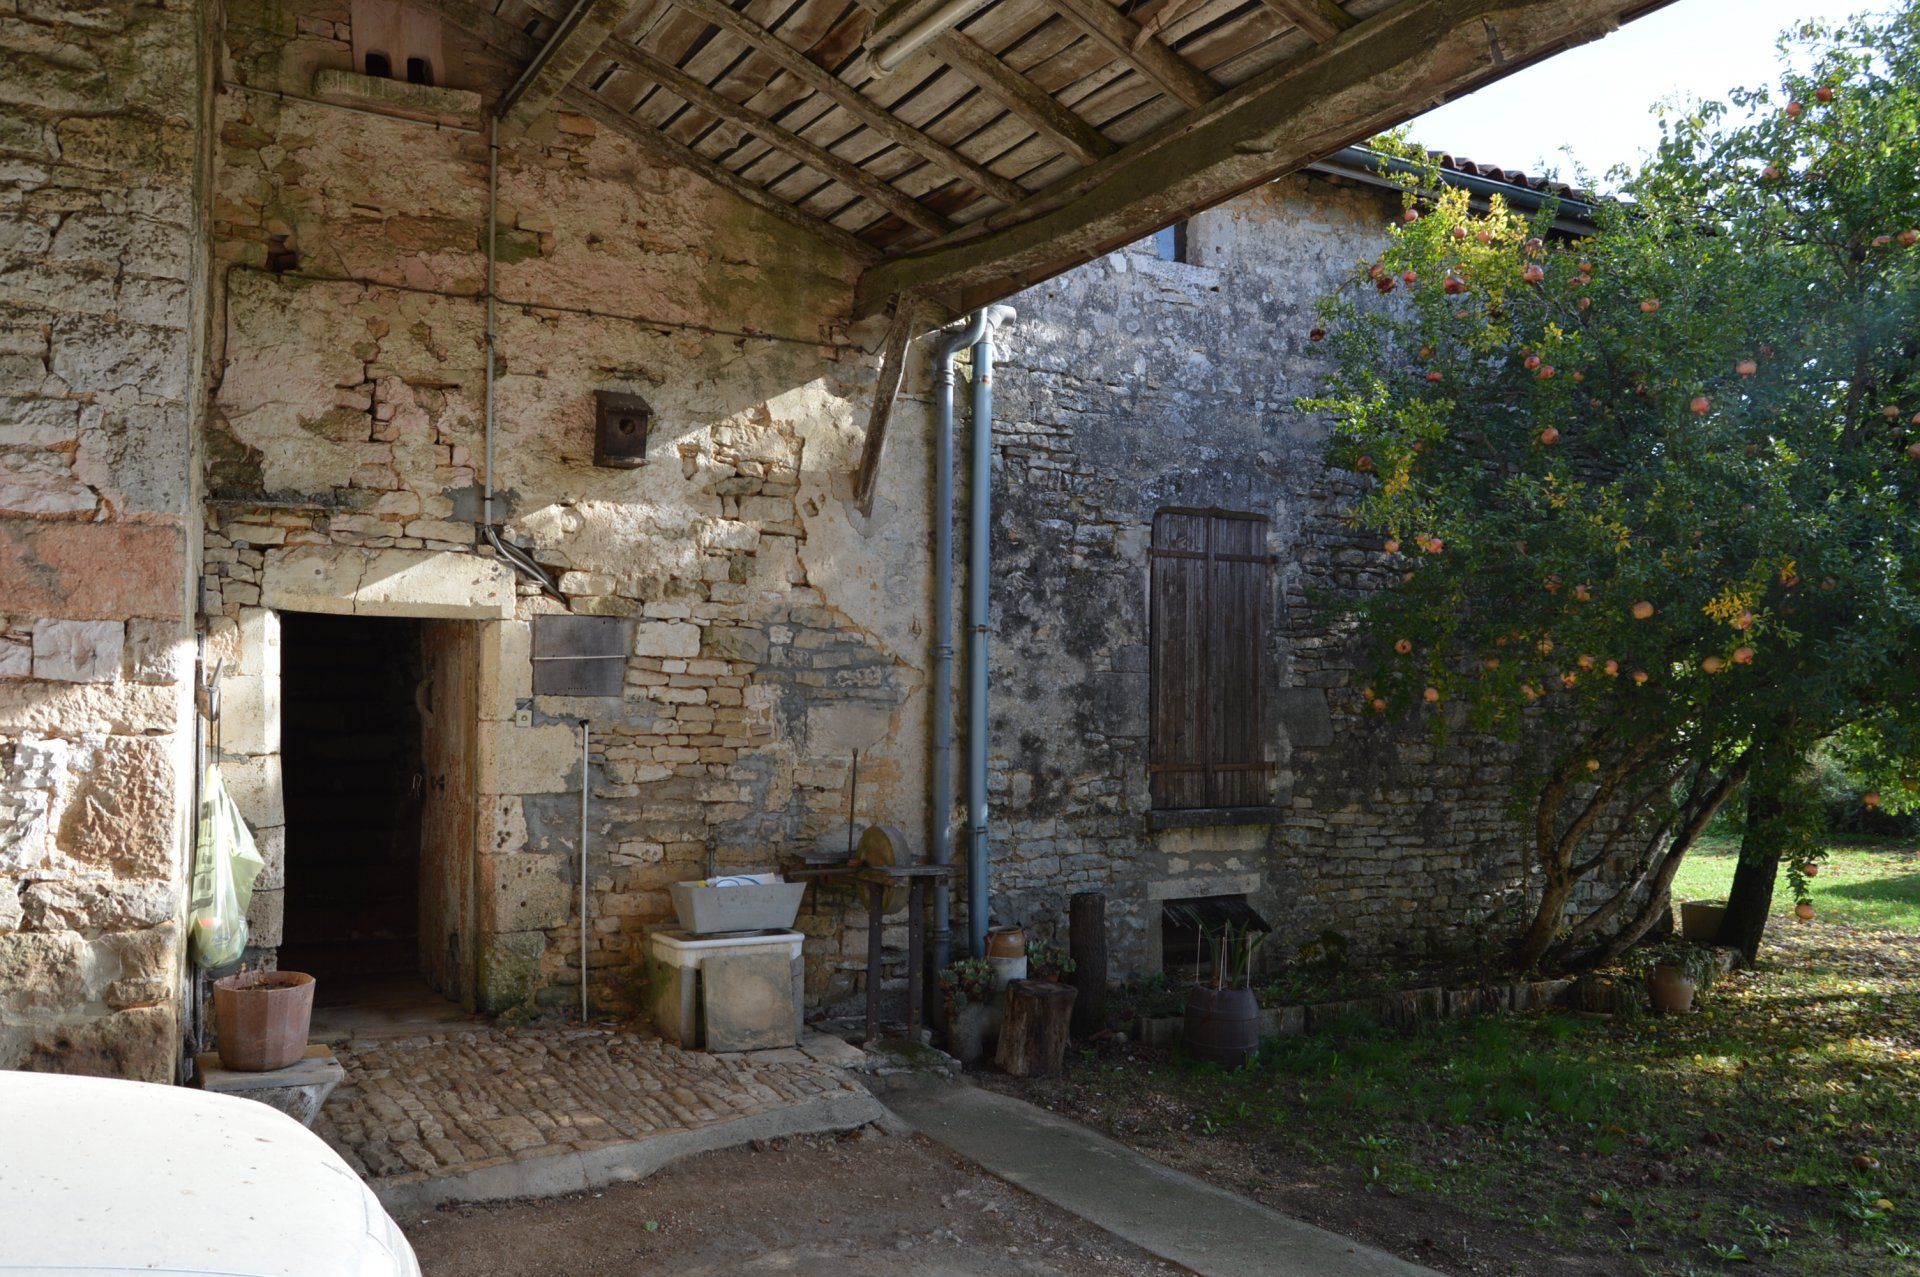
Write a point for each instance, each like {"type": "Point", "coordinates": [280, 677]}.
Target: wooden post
{"type": "Point", "coordinates": [1033, 1038]}
{"type": "Point", "coordinates": [1087, 946]}
{"type": "Point", "coordinates": [876, 898]}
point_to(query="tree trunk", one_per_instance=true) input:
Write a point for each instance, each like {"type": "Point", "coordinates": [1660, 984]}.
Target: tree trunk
{"type": "Point", "coordinates": [1769, 817]}
{"type": "Point", "coordinates": [1033, 1038]}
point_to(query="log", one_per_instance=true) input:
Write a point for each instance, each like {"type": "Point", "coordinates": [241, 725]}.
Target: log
{"type": "Point", "coordinates": [1087, 946]}
{"type": "Point", "coordinates": [1033, 1038]}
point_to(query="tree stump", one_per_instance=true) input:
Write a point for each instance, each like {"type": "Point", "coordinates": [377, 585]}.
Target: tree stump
{"type": "Point", "coordinates": [1087, 946]}
{"type": "Point", "coordinates": [1033, 1038]}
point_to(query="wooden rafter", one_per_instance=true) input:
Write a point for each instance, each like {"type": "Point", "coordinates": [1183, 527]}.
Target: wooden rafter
{"type": "Point", "coordinates": [1275, 122]}
{"type": "Point", "coordinates": [581, 30]}
{"type": "Point", "coordinates": [853, 102]}
{"type": "Point", "coordinates": [1320, 19]}
{"type": "Point", "coordinates": [1148, 54]}
{"type": "Point", "coordinates": [1033, 104]}
{"type": "Point", "coordinates": [674, 153]}
{"type": "Point", "coordinates": [841, 170]}
{"type": "Point", "coordinates": [893, 362]}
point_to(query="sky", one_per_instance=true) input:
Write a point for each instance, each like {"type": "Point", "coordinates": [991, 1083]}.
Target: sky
{"type": "Point", "coordinates": [1597, 101]}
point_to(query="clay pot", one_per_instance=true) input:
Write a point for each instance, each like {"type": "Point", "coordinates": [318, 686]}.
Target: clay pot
{"type": "Point", "coordinates": [1007, 942]}
{"type": "Point", "coordinates": [1222, 1025]}
{"type": "Point", "coordinates": [1671, 990]}
{"type": "Point", "coordinates": [262, 1018]}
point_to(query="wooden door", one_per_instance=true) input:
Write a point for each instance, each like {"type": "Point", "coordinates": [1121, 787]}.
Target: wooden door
{"type": "Point", "coordinates": [449, 716]}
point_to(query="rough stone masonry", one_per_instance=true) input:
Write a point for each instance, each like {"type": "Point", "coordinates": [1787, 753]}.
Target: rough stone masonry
{"type": "Point", "coordinates": [242, 369]}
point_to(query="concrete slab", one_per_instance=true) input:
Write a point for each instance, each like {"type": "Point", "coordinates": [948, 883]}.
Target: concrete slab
{"type": "Point", "coordinates": [1172, 1215]}
{"type": "Point", "coordinates": [299, 1090]}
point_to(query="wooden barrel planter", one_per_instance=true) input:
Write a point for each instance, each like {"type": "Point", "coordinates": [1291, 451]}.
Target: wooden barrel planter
{"type": "Point", "coordinates": [1222, 1025]}
{"type": "Point", "coordinates": [262, 1019]}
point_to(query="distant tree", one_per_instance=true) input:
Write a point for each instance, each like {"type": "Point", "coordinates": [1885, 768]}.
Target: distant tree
{"type": "Point", "coordinates": [1654, 495]}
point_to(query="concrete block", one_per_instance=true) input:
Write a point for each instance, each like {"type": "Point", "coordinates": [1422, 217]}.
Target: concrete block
{"type": "Point", "coordinates": [78, 651]}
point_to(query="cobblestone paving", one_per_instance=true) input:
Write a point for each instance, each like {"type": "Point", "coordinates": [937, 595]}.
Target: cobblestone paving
{"type": "Point", "coordinates": [447, 1103]}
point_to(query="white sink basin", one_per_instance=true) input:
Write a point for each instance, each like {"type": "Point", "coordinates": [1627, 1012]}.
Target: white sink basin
{"type": "Point", "coordinates": [737, 902]}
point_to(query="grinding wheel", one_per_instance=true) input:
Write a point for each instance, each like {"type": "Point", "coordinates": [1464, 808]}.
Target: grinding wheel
{"type": "Point", "coordinates": [883, 847]}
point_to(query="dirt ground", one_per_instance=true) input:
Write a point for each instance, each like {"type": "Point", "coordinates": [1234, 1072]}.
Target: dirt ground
{"type": "Point", "coordinates": [855, 1206]}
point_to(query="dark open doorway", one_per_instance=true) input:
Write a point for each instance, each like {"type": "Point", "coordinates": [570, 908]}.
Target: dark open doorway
{"type": "Point", "coordinates": [351, 751]}
{"type": "Point", "coordinates": [377, 728]}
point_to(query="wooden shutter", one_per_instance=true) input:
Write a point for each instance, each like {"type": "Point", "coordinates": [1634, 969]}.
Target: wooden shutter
{"type": "Point", "coordinates": [1208, 615]}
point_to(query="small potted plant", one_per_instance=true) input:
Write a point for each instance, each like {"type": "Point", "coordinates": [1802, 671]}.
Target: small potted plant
{"type": "Point", "coordinates": [965, 989]}
{"type": "Point", "coordinates": [1047, 960]}
{"type": "Point", "coordinates": [1675, 971]}
{"type": "Point", "coordinates": [1222, 1022]}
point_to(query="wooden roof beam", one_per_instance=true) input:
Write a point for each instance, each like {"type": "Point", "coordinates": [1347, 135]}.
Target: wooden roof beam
{"type": "Point", "coordinates": [1369, 78]}
{"type": "Point", "coordinates": [674, 153]}
{"type": "Point", "coordinates": [1144, 52]}
{"type": "Point", "coordinates": [1039, 109]}
{"type": "Point", "coordinates": [853, 102]}
{"type": "Point", "coordinates": [843, 171]}
{"type": "Point", "coordinates": [1320, 19]}
{"type": "Point", "coordinates": [578, 36]}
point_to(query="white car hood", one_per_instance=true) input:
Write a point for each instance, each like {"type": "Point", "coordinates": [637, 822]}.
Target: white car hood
{"type": "Point", "coordinates": [104, 1176]}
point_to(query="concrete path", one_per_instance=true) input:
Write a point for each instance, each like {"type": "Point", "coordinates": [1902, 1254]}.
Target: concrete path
{"type": "Point", "coordinates": [1162, 1211]}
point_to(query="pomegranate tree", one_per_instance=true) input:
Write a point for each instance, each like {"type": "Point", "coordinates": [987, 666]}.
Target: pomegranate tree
{"type": "Point", "coordinates": [1727, 463]}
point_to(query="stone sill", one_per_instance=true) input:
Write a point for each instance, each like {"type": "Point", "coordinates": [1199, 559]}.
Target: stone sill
{"type": "Point", "coordinates": [397, 97]}
{"type": "Point", "coordinates": [1214, 817]}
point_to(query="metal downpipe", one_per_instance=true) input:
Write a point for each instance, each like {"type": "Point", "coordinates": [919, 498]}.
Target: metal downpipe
{"type": "Point", "coordinates": [979, 577]}
{"type": "Point", "coordinates": [940, 809]}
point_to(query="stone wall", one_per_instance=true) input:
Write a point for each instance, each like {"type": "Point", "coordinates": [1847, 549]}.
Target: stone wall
{"type": "Point", "coordinates": [102, 178]}
{"type": "Point", "coordinates": [773, 630]}
{"type": "Point", "coordinates": [1135, 384]}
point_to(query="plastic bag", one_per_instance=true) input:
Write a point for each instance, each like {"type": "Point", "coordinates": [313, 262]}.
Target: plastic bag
{"type": "Point", "coordinates": [225, 863]}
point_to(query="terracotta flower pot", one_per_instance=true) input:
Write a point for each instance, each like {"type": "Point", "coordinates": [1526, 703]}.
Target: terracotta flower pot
{"type": "Point", "coordinates": [1222, 1025]}
{"type": "Point", "coordinates": [1671, 990]}
{"type": "Point", "coordinates": [262, 1018]}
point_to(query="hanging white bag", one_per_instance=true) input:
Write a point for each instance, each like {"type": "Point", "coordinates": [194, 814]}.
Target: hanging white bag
{"type": "Point", "coordinates": [225, 863]}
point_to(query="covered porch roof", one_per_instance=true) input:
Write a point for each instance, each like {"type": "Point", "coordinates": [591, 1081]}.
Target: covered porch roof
{"type": "Point", "coordinates": [958, 151]}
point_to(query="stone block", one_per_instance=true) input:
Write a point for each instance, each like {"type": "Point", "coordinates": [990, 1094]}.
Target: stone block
{"type": "Point", "coordinates": [1304, 715]}
{"type": "Point", "coordinates": [250, 714]}
{"type": "Point", "coordinates": [16, 658]}
{"type": "Point", "coordinates": [266, 918]}
{"type": "Point", "coordinates": [396, 97]}
{"type": "Point", "coordinates": [257, 787]}
{"type": "Point", "coordinates": [79, 904]}
{"type": "Point", "coordinates": [139, 1044]}
{"type": "Point", "coordinates": [509, 970]}
{"type": "Point", "coordinates": [43, 971]}
{"type": "Point", "coordinates": [351, 580]}
{"type": "Point", "coordinates": [735, 643]}
{"type": "Point", "coordinates": [528, 760]}
{"type": "Point", "coordinates": [506, 668]}
{"type": "Point", "coordinates": [78, 651]}
{"type": "Point", "coordinates": [158, 651]}
{"type": "Point", "coordinates": [126, 808]}
{"type": "Point", "coordinates": [839, 727]}
{"type": "Point", "coordinates": [525, 893]}
{"type": "Point", "coordinates": [91, 571]}
{"type": "Point", "coordinates": [666, 639]}
{"type": "Point", "coordinates": [134, 968]}
{"type": "Point", "coordinates": [747, 1000]}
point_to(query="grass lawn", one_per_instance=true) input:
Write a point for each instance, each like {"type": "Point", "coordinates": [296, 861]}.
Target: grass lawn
{"type": "Point", "coordinates": [1776, 1129]}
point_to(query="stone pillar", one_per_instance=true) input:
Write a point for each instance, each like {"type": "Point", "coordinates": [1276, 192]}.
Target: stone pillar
{"type": "Point", "coordinates": [102, 305]}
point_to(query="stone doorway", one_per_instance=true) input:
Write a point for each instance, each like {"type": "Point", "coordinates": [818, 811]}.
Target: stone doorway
{"type": "Point", "coordinates": [377, 754]}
